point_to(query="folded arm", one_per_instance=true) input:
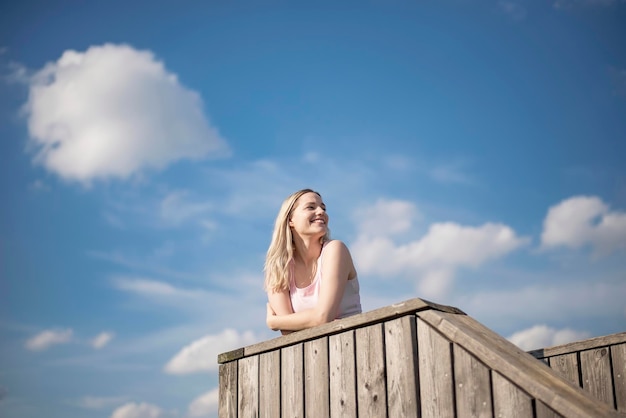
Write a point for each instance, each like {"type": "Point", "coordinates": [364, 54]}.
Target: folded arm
{"type": "Point", "coordinates": [337, 268]}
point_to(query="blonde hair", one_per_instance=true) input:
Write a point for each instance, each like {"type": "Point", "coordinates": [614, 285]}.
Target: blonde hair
{"type": "Point", "coordinates": [281, 249]}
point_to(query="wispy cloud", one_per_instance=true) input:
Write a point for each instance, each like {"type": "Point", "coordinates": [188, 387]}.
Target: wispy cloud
{"type": "Point", "coordinates": [112, 111]}
{"type": "Point", "coordinates": [201, 355]}
{"type": "Point", "coordinates": [176, 208]}
{"type": "Point", "coordinates": [48, 338]}
{"type": "Point", "coordinates": [570, 4]}
{"type": "Point", "coordinates": [584, 220]}
{"type": "Point", "coordinates": [99, 402]}
{"type": "Point", "coordinates": [158, 290]}
{"type": "Point", "coordinates": [513, 9]}
{"type": "Point", "coordinates": [541, 336]}
{"type": "Point", "coordinates": [571, 299]}
{"type": "Point", "coordinates": [102, 339]}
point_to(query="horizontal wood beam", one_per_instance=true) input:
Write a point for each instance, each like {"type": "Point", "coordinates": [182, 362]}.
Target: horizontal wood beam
{"type": "Point", "coordinates": [366, 318]}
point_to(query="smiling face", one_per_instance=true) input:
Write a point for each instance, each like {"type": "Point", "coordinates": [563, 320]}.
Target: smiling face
{"type": "Point", "coordinates": [309, 216]}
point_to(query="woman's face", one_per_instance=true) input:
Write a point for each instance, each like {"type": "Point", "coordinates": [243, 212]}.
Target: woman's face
{"type": "Point", "coordinates": [309, 215]}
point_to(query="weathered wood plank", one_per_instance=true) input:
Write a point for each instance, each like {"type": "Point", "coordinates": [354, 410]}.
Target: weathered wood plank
{"type": "Point", "coordinates": [567, 365]}
{"type": "Point", "coordinates": [248, 394]}
{"type": "Point", "coordinates": [356, 321]}
{"type": "Point", "coordinates": [618, 355]}
{"type": "Point", "coordinates": [499, 354]}
{"type": "Point", "coordinates": [509, 400]}
{"type": "Point", "coordinates": [269, 384]}
{"type": "Point", "coordinates": [401, 363]}
{"type": "Point", "coordinates": [595, 368]}
{"type": "Point", "coordinates": [473, 385]}
{"type": "Point", "coordinates": [228, 390]}
{"type": "Point", "coordinates": [291, 377]}
{"type": "Point", "coordinates": [370, 374]}
{"type": "Point", "coordinates": [435, 373]}
{"type": "Point", "coordinates": [542, 411]}
{"type": "Point", "coordinates": [342, 362]}
{"type": "Point", "coordinates": [587, 344]}
{"type": "Point", "coordinates": [316, 381]}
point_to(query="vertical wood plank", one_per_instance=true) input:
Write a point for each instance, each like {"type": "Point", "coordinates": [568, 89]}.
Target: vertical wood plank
{"type": "Point", "coordinates": [342, 362]}
{"type": "Point", "coordinates": [248, 394]}
{"type": "Point", "coordinates": [269, 384]}
{"type": "Point", "coordinates": [545, 412]}
{"type": "Point", "coordinates": [370, 365]}
{"type": "Point", "coordinates": [509, 400]}
{"type": "Point", "coordinates": [435, 373]}
{"type": "Point", "coordinates": [595, 366]}
{"type": "Point", "coordinates": [316, 385]}
{"type": "Point", "coordinates": [401, 359]}
{"type": "Point", "coordinates": [228, 390]}
{"type": "Point", "coordinates": [473, 385]}
{"type": "Point", "coordinates": [567, 365]}
{"type": "Point", "coordinates": [618, 355]}
{"type": "Point", "coordinates": [291, 377]}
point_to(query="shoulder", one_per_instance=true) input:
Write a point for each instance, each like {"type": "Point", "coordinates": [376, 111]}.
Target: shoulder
{"type": "Point", "coordinates": [335, 246]}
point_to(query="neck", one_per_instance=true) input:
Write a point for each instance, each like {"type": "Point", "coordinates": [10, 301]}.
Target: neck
{"type": "Point", "coordinates": [307, 249]}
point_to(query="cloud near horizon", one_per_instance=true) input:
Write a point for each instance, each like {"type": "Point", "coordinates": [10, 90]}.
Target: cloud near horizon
{"type": "Point", "coordinates": [201, 355]}
{"type": "Point", "coordinates": [113, 111]}
{"type": "Point", "coordinates": [205, 405]}
{"type": "Point", "coordinates": [542, 336]}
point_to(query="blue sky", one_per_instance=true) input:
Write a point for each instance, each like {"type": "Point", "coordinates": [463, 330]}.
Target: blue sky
{"type": "Point", "coordinates": [469, 152]}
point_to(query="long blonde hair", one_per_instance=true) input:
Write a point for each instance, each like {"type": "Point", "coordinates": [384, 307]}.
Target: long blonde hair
{"type": "Point", "coordinates": [281, 249]}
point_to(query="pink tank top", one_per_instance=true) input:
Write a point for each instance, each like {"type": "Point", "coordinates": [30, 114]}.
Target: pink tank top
{"type": "Point", "coordinates": [306, 298]}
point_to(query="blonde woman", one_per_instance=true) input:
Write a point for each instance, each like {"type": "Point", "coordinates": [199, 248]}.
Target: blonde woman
{"type": "Point", "coordinates": [309, 278]}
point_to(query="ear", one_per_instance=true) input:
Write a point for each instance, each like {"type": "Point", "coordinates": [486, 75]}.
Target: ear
{"type": "Point", "coordinates": [290, 223]}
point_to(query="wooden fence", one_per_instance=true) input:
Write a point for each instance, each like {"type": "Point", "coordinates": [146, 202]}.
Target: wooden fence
{"type": "Point", "coordinates": [412, 359]}
{"type": "Point", "coordinates": [598, 365]}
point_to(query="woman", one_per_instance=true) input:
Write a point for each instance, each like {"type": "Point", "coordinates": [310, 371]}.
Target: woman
{"type": "Point", "coordinates": [309, 278]}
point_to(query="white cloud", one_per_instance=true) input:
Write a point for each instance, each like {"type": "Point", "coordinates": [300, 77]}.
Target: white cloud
{"type": "Point", "coordinates": [205, 405]}
{"type": "Point", "coordinates": [386, 217]}
{"type": "Point", "coordinates": [434, 257]}
{"type": "Point", "coordinates": [542, 336]}
{"type": "Point", "coordinates": [201, 355]}
{"type": "Point", "coordinates": [99, 402]}
{"type": "Point", "coordinates": [112, 111]}
{"type": "Point", "coordinates": [584, 220]}
{"type": "Point", "coordinates": [138, 410]}
{"type": "Point", "coordinates": [48, 338]}
{"type": "Point", "coordinates": [102, 339]}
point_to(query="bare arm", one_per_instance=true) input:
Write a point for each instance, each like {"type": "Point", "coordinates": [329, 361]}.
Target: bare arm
{"type": "Point", "coordinates": [337, 268]}
{"type": "Point", "coordinates": [279, 304]}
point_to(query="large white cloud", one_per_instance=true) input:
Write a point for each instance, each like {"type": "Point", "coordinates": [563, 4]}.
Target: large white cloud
{"type": "Point", "coordinates": [138, 410]}
{"type": "Point", "coordinates": [205, 405]}
{"type": "Point", "coordinates": [431, 259]}
{"type": "Point", "coordinates": [542, 336]}
{"type": "Point", "coordinates": [48, 338]}
{"type": "Point", "coordinates": [584, 220]}
{"type": "Point", "coordinates": [112, 111]}
{"type": "Point", "coordinates": [201, 355]}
